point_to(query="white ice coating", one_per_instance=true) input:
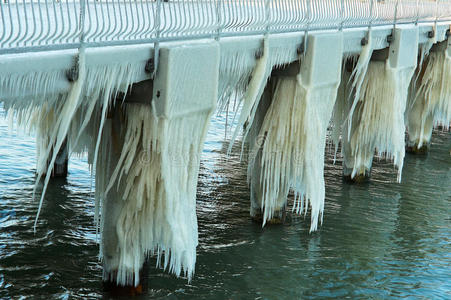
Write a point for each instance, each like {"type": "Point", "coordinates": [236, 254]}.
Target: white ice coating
{"type": "Point", "coordinates": [342, 106]}
{"type": "Point", "coordinates": [234, 71]}
{"type": "Point", "coordinates": [154, 175]}
{"type": "Point", "coordinates": [381, 112]}
{"type": "Point", "coordinates": [376, 116]}
{"type": "Point", "coordinates": [293, 138]}
{"type": "Point", "coordinates": [146, 165]}
{"type": "Point", "coordinates": [349, 91]}
{"type": "Point", "coordinates": [56, 118]}
{"type": "Point", "coordinates": [248, 84]}
{"type": "Point", "coordinates": [358, 76]}
{"type": "Point", "coordinates": [158, 217]}
{"type": "Point", "coordinates": [254, 91]}
{"type": "Point", "coordinates": [430, 104]}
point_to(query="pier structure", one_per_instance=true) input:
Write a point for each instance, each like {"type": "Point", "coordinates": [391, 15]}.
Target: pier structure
{"type": "Point", "coordinates": [134, 85]}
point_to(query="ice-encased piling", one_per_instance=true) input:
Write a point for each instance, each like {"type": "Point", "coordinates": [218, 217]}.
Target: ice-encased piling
{"type": "Point", "coordinates": [430, 100]}
{"type": "Point", "coordinates": [376, 103]}
{"type": "Point", "coordinates": [288, 151]}
{"type": "Point", "coordinates": [147, 170]}
{"type": "Point", "coordinates": [146, 156]}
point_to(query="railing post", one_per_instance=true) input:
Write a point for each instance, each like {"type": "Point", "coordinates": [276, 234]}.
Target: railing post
{"type": "Point", "coordinates": [395, 20]}
{"type": "Point", "coordinates": [342, 13]}
{"type": "Point", "coordinates": [157, 42]}
{"type": "Point", "coordinates": [436, 15]}
{"type": "Point", "coordinates": [418, 12]}
{"type": "Point", "coordinates": [371, 14]}
{"type": "Point", "coordinates": [82, 21]}
{"type": "Point", "coordinates": [309, 12]}
{"type": "Point", "coordinates": [267, 16]}
{"type": "Point", "coordinates": [73, 73]}
{"type": "Point", "coordinates": [218, 19]}
{"type": "Point", "coordinates": [2, 14]}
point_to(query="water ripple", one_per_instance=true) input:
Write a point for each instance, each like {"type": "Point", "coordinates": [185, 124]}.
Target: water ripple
{"type": "Point", "coordinates": [378, 240]}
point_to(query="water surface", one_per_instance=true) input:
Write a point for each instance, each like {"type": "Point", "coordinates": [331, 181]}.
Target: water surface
{"type": "Point", "coordinates": [378, 240]}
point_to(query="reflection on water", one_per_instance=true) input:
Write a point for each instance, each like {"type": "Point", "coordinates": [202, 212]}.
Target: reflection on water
{"type": "Point", "coordinates": [378, 240]}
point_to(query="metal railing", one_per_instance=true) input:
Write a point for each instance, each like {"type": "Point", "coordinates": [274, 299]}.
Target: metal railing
{"type": "Point", "coordinates": [32, 25]}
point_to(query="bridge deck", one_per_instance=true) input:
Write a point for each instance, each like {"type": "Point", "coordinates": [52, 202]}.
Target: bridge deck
{"type": "Point", "coordinates": [35, 25]}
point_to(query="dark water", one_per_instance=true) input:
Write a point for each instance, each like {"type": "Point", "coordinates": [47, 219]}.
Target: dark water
{"type": "Point", "coordinates": [379, 240]}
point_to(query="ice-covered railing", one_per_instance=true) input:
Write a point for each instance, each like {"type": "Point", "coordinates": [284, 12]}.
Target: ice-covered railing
{"type": "Point", "coordinates": [32, 25]}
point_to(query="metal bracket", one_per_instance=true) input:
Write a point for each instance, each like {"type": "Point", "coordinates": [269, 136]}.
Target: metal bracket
{"type": "Point", "coordinates": [364, 41]}
{"type": "Point", "coordinates": [150, 66]}
{"type": "Point", "coordinates": [300, 49]}
{"type": "Point", "coordinates": [431, 34]}
{"type": "Point", "coordinates": [390, 38]}
{"type": "Point", "coordinates": [72, 73]}
{"type": "Point", "coordinates": [259, 53]}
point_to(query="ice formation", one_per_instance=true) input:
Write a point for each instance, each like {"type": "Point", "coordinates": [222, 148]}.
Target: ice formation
{"type": "Point", "coordinates": [153, 187]}
{"type": "Point", "coordinates": [146, 171]}
{"type": "Point", "coordinates": [430, 101]}
{"type": "Point", "coordinates": [376, 96]}
{"type": "Point", "coordinates": [254, 91]}
{"type": "Point", "coordinates": [146, 161]}
{"type": "Point", "coordinates": [61, 117]}
{"type": "Point", "coordinates": [282, 130]}
{"type": "Point", "coordinates": [243, 78]}
{"type": "Point", "coordinates": [381, 125]}
{"type": "Point", "coordinates": [292, 140]}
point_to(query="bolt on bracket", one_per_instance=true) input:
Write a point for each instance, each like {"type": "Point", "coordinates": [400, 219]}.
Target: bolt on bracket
{"type": "Point", "coordinates": [300, 49]}
{"type": "Point", "coordinates": [390, 38]}
{"type": "Point", "coordinates": [73, 73]}
{"type": "Point", "coordinates": [150, 66]}
{"type": "Point", "coordinates": [259, 53]}
{"type": "Point", "coordinates": [364, 41]}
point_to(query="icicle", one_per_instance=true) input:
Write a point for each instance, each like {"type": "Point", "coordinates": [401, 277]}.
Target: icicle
{"type": "Point", "coordinates": [358, 75]}
{"type": "Point", "coordinates": [254, 91]}
{"type": "Point", "coordinates": [61, 127]}
{"type": "Point", "coordinates": [30, 89]}
{"type": "Point", "coordinates": [235, 69]}
{"type": "Point", "coordinates": [342, 105]}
